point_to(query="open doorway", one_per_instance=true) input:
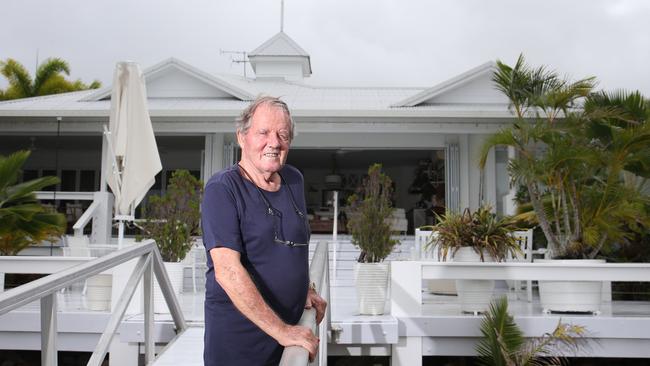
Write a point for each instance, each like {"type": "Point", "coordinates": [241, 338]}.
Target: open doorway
{"type": "Point", "coordinates": [418, 177]}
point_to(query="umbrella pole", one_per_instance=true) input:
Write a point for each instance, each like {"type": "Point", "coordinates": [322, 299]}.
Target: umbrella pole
{"type": "Point", "coordinates": [120, 228]}
{"type": "Point", "coordinates": [120, 233]}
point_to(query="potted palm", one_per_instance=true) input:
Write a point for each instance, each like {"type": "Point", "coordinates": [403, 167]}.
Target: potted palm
{"type": "Point", "coordinates": [573, 150]}
{"type": "Point", "coordinates": [23, 220]}
{"type": "Point", "coordinates": [173, 222]}
{"type": "Point", "coordinates": [478, 236]}
{"type": "Point", "coordinates": [370, 208]}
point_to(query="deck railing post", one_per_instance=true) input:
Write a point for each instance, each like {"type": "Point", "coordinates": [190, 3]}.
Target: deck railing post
{"type": "Point", "coordinates": [48, 330]}
{"type": "Point", "coordinates": [406, 300]}
{"type": "Point", "coordinates": [149, 350]}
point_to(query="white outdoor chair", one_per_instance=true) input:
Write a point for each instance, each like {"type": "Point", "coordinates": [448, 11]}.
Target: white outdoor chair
{"type": "Point", "coordinates": [525, 241]}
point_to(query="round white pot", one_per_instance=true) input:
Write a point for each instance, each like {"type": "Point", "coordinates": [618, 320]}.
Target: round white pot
{"type": "Point", "coordinates": [474, 296]}
{"type": "Point", "coordinates": [371, 280]}
{"type": "Point", "coordinates": [571, 296]}
{"type": "Point", "coordinates": [175, 274]}
{"type": "Point", "coordinates": [98, 292]}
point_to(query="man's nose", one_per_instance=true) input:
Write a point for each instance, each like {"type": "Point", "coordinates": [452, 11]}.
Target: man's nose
{"type": "Point", "coordinates": [274, 140]}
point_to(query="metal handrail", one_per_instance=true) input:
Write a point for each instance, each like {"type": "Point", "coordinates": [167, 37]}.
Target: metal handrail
{"type": "Point", "coordinates": [45, 289]}
{"type": "Point", "coordinates": [319, 274]}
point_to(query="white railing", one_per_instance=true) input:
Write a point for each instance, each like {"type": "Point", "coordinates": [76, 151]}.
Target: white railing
{"type": "Point", "coordinates": [60, 195]}
{"type": "Point", "coordinates": [99, 212]}
{"type": "Point", "coordinates": [319, 274]}
{"type": "Point", "coordinates": [406, 286]}
{"type": "Point", "coordinates": [46, 288]}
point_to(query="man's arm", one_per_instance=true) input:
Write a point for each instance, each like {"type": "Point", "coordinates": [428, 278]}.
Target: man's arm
{"type": "Point", "coordinates": [241, 290]}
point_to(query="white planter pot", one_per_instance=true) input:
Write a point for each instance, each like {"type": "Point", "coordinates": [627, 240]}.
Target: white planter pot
{"type": "Point", "coordinates": [438, 287]}
{"type": "Point", "coordinates": [98, 292]}
{"type": "Point", "coordinates": [474, 296]}
{"type": "Point", "coordinates": [571, 296]}
{"type": "Point", "coordinates": [175, 274]}
{"type": "Point", "coordinates": [371, 280]}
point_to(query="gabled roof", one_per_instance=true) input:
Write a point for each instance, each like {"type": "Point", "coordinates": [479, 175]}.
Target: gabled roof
{"type": "Point", "coordinates": [484, 70]}
{"type": "Point", "coordinates": [279, 45]}
{"type": "Point", "coordinates": [173, 64]}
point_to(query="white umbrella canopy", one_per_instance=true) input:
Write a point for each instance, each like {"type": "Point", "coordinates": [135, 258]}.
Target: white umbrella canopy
{"type": "Point", "coordinates": [132, 168]}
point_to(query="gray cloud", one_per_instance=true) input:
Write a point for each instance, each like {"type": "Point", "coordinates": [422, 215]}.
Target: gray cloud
{"type": "Point", "coordinates": [363, 42]}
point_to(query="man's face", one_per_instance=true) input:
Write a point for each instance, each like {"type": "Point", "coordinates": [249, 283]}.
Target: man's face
{"type": "Point", "coordinates": [265, 145]}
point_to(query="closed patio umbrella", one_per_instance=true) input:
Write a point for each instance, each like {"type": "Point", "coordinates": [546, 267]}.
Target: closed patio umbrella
{"type": "Point", "coordinates": [134, 160]}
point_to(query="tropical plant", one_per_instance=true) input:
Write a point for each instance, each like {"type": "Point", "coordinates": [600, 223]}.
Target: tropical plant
{"type": "Point", "coordinates": [481, 230]}
{"type": "Point", "coordinates": [370, 207]}
{"type": "Point", "coordinates": [23, 220]}
{"type": "Point", "coordinates": [48, 79]}
{"type": "Point", "coordinates": [503, 343]}
{"type": "Point", "coordinates": [173, 219]}
{"type": "Point", "coordinates": [572, 158]}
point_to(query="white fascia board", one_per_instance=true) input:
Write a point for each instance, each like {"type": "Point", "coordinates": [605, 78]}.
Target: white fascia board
{"type": "Point", "coordinates": [262, 49]}
{"type": "Point", "coordinates": [158, 69]}
{"type": "Point", "coordinates": [445, 86]}
{"type": "Point", "coordinates": [304, 61]}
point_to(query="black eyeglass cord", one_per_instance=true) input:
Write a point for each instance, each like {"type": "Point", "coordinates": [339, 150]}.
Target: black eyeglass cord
{"type": "Point", "coordinates": [266, 201]}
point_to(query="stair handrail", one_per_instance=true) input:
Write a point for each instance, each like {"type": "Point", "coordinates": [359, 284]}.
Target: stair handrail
{"type": "Point", "coordinates": [319, 274]}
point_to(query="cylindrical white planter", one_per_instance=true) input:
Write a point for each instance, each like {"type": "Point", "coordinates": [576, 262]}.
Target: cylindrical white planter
{"type": "Point", "coordinates": [372, 283]}
{"type": "Point", "coordinates": [175, 274]}
{"type": "Point", "coordinates": [98, 292]}
{"type": "Point", "coordinates": [438, 287]}
{"type": "Point", "coordinates": [571, 296]}
{"type": "Point", "coordinates": [474, 296]}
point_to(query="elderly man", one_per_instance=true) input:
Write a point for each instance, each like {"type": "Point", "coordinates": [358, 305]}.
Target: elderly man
{"type": "Point", "coordinates": [256, 233]}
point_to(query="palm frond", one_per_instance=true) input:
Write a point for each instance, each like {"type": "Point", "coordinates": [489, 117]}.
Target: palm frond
{"type": "Point", "coordinates": [50, 68]}
{"type": "Point", "coordinates": [10, 168]}
{"type": "Point", "coordinates": [501, 336]}
{"type": "Point", "coordinates": [20, 82]}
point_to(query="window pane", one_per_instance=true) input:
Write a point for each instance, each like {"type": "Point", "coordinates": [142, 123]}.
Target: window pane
{"type": "Point", "coordinates": [69, 180]}
{"type": "Point", "coordinates": [87, 181]}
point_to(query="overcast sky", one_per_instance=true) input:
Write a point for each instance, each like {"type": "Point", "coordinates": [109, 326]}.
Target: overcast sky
{"type": "Point", "coordinates": [351, 42]}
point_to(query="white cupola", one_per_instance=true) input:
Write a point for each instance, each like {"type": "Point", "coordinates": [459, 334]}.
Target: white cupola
{"type": "Point", "coordinates": [280, 58]}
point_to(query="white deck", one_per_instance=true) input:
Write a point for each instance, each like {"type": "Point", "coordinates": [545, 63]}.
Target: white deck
{"type": "Point", "coordinates": [621, 329]}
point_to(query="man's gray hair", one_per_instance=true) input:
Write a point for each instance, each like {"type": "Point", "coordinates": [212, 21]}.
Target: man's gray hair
{"type": "Point", "coordinates": [243, 123]}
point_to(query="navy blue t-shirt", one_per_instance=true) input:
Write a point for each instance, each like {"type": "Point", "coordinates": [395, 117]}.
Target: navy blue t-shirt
{"type": "Point", "coordinates": [235, 215]}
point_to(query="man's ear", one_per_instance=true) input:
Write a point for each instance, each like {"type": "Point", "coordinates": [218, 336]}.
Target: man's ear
{"type": "Point", "coordinates": [240, 138]}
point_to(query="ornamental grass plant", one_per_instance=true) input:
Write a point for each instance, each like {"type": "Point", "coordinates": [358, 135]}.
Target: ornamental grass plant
{"type": "Point", "coordinates": [487, 234]}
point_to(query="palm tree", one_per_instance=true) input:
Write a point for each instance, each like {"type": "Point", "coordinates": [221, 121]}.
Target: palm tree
{"type": "Point", "coordinates": [48, 79]}
{"type": "Point", "coordinates": [571, 159]}
{"type": "Point", "coordinates": [503, 343]}
{"type": "Point", "coordinates": [23, 220]}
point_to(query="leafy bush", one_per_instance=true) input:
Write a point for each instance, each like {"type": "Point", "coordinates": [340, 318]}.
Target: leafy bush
{"type": "Point", "coordinates": [370, 207]}
{"type": "Point", "coordinates": [173, 219]}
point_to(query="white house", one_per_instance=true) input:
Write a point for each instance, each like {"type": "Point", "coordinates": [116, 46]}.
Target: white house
{"type": "Point", "coordinates": [341, 130]}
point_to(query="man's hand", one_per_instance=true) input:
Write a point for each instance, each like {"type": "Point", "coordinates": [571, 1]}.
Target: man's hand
{"type": "Point", "coordinates": [314, 300]}
{"type": "Point", "coordinates": [296, 335]}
